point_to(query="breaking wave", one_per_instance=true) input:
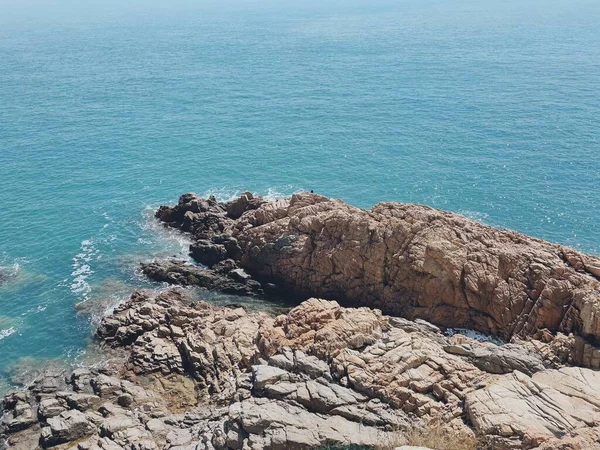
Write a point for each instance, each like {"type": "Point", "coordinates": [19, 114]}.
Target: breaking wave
{"type": "Point", "coordinates": [7, 332]}
{"type": "Point", "coordinates": [82, 269]}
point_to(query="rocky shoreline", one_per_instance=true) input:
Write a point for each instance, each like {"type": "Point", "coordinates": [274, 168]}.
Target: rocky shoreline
{"type": "Point", "coordinates": [408, 260]}
{"type": "Point", "coordinates": [336, 369]}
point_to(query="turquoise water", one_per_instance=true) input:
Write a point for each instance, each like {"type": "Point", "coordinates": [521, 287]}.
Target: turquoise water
{"type": "Point", "coordinates": [487, 108]}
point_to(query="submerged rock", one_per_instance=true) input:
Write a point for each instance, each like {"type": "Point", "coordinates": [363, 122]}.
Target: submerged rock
{"type": "Point", "coordinates": [8, 274]}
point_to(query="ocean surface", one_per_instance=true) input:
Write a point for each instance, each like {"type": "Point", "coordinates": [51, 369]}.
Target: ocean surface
{"type": "Point", "coordinates": [107, 110]}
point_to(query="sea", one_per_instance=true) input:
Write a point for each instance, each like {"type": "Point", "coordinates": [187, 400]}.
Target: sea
{"type": "Point", "coordinates": [108, 109]}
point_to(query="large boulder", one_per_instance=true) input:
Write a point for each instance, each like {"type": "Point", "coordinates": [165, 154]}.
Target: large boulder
{"type": "Point", "coordinates": [418, 262]}
{"type": "Point", "coordinates": [182, 273]}
{"type": "Point", "coordinates": [68, 426]}
{"type": "Point", "coordinates": [421, 262]}
{"type": "Point", "coordinates": [19, 414]}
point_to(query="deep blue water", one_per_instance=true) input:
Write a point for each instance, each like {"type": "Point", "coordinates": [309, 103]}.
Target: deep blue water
{"type": "Point", "coordinates": [488, 108]}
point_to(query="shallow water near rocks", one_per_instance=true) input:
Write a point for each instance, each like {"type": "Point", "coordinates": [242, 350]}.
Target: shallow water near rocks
{"type": "Point", "coordinates": [475, 335]}
{"type": "Point", "coordinates": [485, 108]}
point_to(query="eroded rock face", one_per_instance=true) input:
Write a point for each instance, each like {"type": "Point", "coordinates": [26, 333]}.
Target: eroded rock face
{"type": "Point", "coordinates": [212, 378]}
{"type": "Point", "coordinates": [298, 379]}
{"type": "Point", "coordinates": [517, 410]}
{"type": "Point", "coordinates": [409, 260]}
{"type": "Point", "coordinates": [202, 377]}
{"type": "Point", "coordinates": [262, 394]}
{"type": "Point", "coordinates": [227, 278]}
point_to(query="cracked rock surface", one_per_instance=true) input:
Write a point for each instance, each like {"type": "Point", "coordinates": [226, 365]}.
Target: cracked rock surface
{"type": "Point", "coordinates": [203, 377]}
{"type": "Point", "coordinates": [408, 260]}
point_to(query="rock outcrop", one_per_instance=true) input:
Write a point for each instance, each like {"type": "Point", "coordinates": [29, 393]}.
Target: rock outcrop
{"type": "Point", "coordinates": [536, 410]}
{"type": "Point", "coordinates": [227, 277]}
{"type": "Point", "coordinates": [199, 376]}
{"type": "Point", "coordinates": [408, 260]}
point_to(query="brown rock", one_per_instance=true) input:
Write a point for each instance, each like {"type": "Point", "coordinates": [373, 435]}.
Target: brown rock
{"type": "Point", "coordinates": [320, 374]}
{"type": "Point", "coordinates": [517, 410]}
{"type": "Point", "coordinates": [416, 261]}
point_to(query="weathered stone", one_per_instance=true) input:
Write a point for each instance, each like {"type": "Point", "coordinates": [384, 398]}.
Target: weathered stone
{"type": "Point", "coordinates": [68, 426]}
{"type": "Point", "coordinates": [208, 253]}
{"type": "Point", "coordinates": [517, 409]}
{"type": "Point", "coordinates": [106, 386]}
{"type": "Point", "coordinates": [48, 382]}
{"type": "Point", "coordinates": [82, 402]}
{"type": "Point", "coordinates": [264, 375]}
{"type": "Point", "coordinates": [50, 407]}
{"type": "Point", "coordinates": [202, 377]}
{"type": "Point", "coordinates": [27, 439]}
{"type": "Point", "coordinates": [316, 375]}
{"type": "Point", "coordinates": [80, 379]}
{"type": "Point", "coordinates": [418, 262]}
{"type": "Point", "coordinates": [499, 359]}
{"type": "Point", "coordinates": [19, 414]}
{"type": "Point", "coordinates": [239, 275]}
{"type": "Point", "coordinates": [178, 272]}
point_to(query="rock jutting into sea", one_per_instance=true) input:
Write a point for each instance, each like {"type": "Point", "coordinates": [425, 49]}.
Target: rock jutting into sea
{"type": "Point", "coordinates": [408, 260]}
{"type": "Point", "coordinates": [363, 360]}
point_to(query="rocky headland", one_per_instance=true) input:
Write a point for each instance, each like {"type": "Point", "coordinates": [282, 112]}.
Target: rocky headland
{"type": "Point", "coordinates": [367, 357]}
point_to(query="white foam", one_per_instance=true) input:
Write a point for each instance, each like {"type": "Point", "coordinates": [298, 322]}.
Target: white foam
{"type": "Point", "coordinates": [35, 310]}
{"type": "Point", "coordinates": [7, 332]}
{"type": "Point", "coordinates": [163, 239]}
{"type": "Point", "coordinates": [82, 269]}
{"type": "Point", "coordinates": [222, 194]}
{"type": "Point", "coordinates": [11, 270]}
{"type": "Point", "coordinates": [80, 286]}
{"type": "Point", "coordinates": [275, 194]}
{"type": "Point", "coordinates": [475, 335]}
{"type": "Point", "coordinates": [480, 217]}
